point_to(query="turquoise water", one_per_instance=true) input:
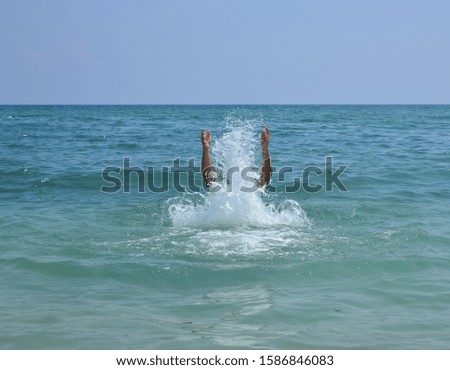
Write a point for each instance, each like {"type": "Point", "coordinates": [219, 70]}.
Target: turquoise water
{"type": "Point", "coordinates": [367, 268]}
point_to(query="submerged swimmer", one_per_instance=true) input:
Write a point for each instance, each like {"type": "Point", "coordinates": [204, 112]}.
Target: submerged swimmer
{"type": "Point", "coordinates": [209, 175]}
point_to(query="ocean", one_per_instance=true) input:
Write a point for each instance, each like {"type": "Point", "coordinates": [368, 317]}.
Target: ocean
{"type": "Point", "coordinates": [108, 239]}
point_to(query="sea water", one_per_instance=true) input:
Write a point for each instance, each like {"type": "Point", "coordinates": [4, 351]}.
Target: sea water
{"type": "Point", "coordinates": [87, 266]}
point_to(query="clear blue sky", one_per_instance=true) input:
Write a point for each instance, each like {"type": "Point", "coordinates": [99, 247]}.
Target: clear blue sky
{"type": "Point", "coordinates": [224, 51]}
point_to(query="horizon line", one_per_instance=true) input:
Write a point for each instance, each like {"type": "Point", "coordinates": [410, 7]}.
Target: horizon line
{"type": "Point", "coordinates": [216, 104]}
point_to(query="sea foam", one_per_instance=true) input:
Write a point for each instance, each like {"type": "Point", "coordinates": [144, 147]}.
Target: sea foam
{"type": "Point", "coordinates": [228, 205]}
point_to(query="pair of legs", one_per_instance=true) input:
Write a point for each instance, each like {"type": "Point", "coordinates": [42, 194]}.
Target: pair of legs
{"type": "Point", "coordinates": [266, 172]}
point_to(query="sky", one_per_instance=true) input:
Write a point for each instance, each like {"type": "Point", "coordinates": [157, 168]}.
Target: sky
{"type": "Point", "coordinates": [224, 52]}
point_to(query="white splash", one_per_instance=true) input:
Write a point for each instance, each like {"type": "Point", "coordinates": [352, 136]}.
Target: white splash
{"type": "Point", "coordinates": [231, 207]}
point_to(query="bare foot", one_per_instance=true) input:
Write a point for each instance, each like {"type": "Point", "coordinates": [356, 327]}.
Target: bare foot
{"type": "Point", "coordinates": [265, 137]}
{"type": "Point", "coordinates": [206, 139]}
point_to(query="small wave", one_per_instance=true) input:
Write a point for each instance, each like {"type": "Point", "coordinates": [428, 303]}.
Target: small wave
{"type": "Point", "coordinates": [224, 210]}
